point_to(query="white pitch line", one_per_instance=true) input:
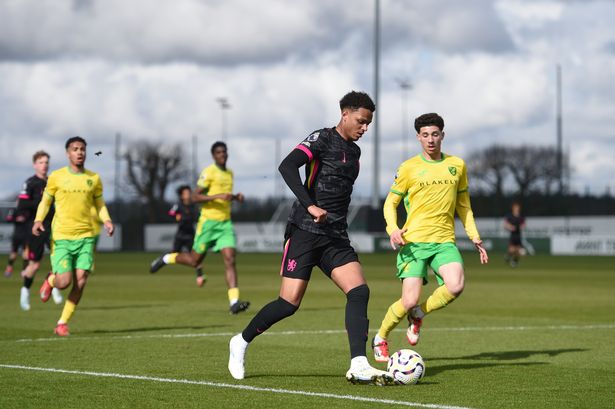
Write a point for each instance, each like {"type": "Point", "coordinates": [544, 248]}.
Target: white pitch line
{"type": "Point", "coordinates": [234, 386]}
{"type": "Point", "coordinates": [330, 331]}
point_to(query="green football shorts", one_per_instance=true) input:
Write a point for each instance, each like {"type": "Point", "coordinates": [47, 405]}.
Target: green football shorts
{"type": "Point", "coordinates": [68, 255]}
{"type": "Point", "coordinates": [213, 234]}
{"type": "Point", "coordinates": [414, 258]}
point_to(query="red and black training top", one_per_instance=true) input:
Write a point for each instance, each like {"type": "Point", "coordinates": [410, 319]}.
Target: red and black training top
{"type": "Point", "coordinates": [29, 198]}
{"type": "Point", "coordinates": [331, 167]}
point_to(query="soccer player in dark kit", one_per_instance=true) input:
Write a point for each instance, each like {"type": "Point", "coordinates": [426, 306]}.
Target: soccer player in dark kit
{"type": "Point", "coordinates": [514, 223]}
{"type": "Point", "coordinates": [29, 199]}
{"type": "Point", "coordinates": [186, 215]}
{"type": "Point", "coordinates": [18, 239]}
{"type": "Point", "coordinates": [316, 236]}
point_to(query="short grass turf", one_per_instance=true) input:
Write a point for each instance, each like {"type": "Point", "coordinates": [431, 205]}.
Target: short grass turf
{"type": "Point", "coordinates": [538, 336]}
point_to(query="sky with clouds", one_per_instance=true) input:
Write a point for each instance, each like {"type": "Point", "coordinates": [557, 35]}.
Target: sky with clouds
{"type": "Point", "coordinates": [153, 69]}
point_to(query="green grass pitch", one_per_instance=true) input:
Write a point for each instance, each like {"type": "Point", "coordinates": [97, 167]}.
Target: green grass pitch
{"type": "Point", "coordinates": [539, 336]}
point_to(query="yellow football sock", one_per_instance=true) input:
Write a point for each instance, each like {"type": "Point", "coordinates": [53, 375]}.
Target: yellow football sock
{"type": "Point", "coordinates": [67, 312]}
{"type": "Point", "coordinates": [440, 298]}
{"type": "Point", "coordinates": [170, 258]}
{"type": "Point", "coordinates": [233, 295]}
{"type": "Point", "coordinates": [394, 315]}
{"type": "Point", "coordinates": [51, 279]}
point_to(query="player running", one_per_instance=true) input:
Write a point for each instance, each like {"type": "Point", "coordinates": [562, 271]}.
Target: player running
{"type": "Point", "coordinates": [316, 236]}
{"type": "Point", "coordinates": [29, 199]}
{"type": "Point", "coordinates": [73, 190]}
{"type": "Point", "coordinates": [18, 239]}
{"type": "Point", "coordinates": [433, 186]}
{"type": "Point", "coordinates": [514, 223]}
{"type": "Point", "coordinates": [185, 214]}
{"type": "Point", "coordinates": [215, 228]}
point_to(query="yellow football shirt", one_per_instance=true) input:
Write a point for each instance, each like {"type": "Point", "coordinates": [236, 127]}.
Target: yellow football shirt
{"type": "Point", "coordinates": [432, 192]}
{"type": "Point", "coordinates": [74, 195]}
{"type": "Point", "coordinates": [215, 181]}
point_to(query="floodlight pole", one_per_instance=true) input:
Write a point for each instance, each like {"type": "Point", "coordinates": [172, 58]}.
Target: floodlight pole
{"type": "Point", "coordinates": [376, 183]}
{"type": "Point", "coordinates": [224, 106]}
{"type": "Point", "coordinates": [405, 86]}
{"type": "Point", "coordinates": [558, 126]}
{"type": "Point", "coordinates": [195, 170]}
{"type": "Point", "coordinates": [278, 191]}
{"type": "Point", "coordinates": [116, 177]}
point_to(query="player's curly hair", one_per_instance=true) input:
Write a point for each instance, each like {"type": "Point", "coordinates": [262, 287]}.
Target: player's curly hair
{"type": "Point", "coordinates": [181, 189]}
{"type": "Point", "coordinates": [75, 139]}
{"type": "Point", "coordinates": [39, 154]}
{"type": "Point", "coordinates": [216, 145]}
{"type": "Point", "coordinates": [431, 119]}
{"type": "Point", "coordinates": [355, 100]}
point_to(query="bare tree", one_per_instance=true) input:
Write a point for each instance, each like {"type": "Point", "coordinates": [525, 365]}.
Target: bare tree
{"type": "Point", "coordinates": [524, 163]}
{"type": "Point", "coordinates": [151, 169]}
{"type": "Point", "coordinates": [490, 168]}
{"type": "Point", "coordinates": [549, 172]}
{"type": "Point", "coordinates": [531, 168]}
{"type": "Point", "coordinates": [535, 166]}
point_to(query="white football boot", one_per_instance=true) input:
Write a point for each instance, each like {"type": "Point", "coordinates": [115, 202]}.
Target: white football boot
{"type": "Point", "coordinates": [361, 372]}
{"type": "Point", "coordinates": [24, 299]}
{"type": "Point", "coordinates": [237, 352]}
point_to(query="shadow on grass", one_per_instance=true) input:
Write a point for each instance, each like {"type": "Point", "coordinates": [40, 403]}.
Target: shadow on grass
{"type": "Point", "coordinates": [148, 329]}
{"type": "Point", "coordinates": [510, 355]}
{"type": "Point", "coordinates": [121, 307]}
{"type": "Point", "coordinates": [434, 370]}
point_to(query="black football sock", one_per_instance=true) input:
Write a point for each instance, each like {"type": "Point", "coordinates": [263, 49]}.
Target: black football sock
{"type": "Point", "coordinates": [27, 282]}
{"type": "Point", "coordinates": [357, 324]}
{"type": "Point", "coordinates": [11, 261]}
{"type": "Point", "coordinates": [268, 315]}
{"type": "Point", "coordinates": [199, 272]}
{"type": "Point", "coordinates": [25, 264]}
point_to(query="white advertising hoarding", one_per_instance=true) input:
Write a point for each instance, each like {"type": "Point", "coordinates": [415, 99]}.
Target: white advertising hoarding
{"type": "Point", "coordinates": [251, 237]}
{"type": "Point", "coordinates": [546, 226]}
{"type": "Point", "coordinates": [583, 245]}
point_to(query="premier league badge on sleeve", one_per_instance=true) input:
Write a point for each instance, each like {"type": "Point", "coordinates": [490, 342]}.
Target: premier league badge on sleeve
{"type": "Point", "coordinates": [313, 137]}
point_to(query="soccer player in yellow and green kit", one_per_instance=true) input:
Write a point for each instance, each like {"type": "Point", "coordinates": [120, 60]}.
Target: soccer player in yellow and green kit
{"type": "Point", "coordinates": [73, 190]}
{"type": "Point", "coordinates": [433, 186]}
{"type": "Point", "coordinates": [214, 229]}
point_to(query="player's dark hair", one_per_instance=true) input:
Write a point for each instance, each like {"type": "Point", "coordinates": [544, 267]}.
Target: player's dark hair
{"type": "Point", "coordinates": [431, 119]}
{"type": "Point", "coordinates": [39, 154]}
{"type": "Point", "coordinates": [217, 145]}
{"type": "Point", "coordinates": [75, 139]}
{"type": "Point", "coordinates": [355, 100]}
{"type": "Point", "coordinates": [181, 189]}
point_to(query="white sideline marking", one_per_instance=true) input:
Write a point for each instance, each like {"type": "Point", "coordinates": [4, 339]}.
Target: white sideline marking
{"type": "Point", "coordinates": [329, 331]}
{"type": "Point", "coordinates": [234, 386]}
